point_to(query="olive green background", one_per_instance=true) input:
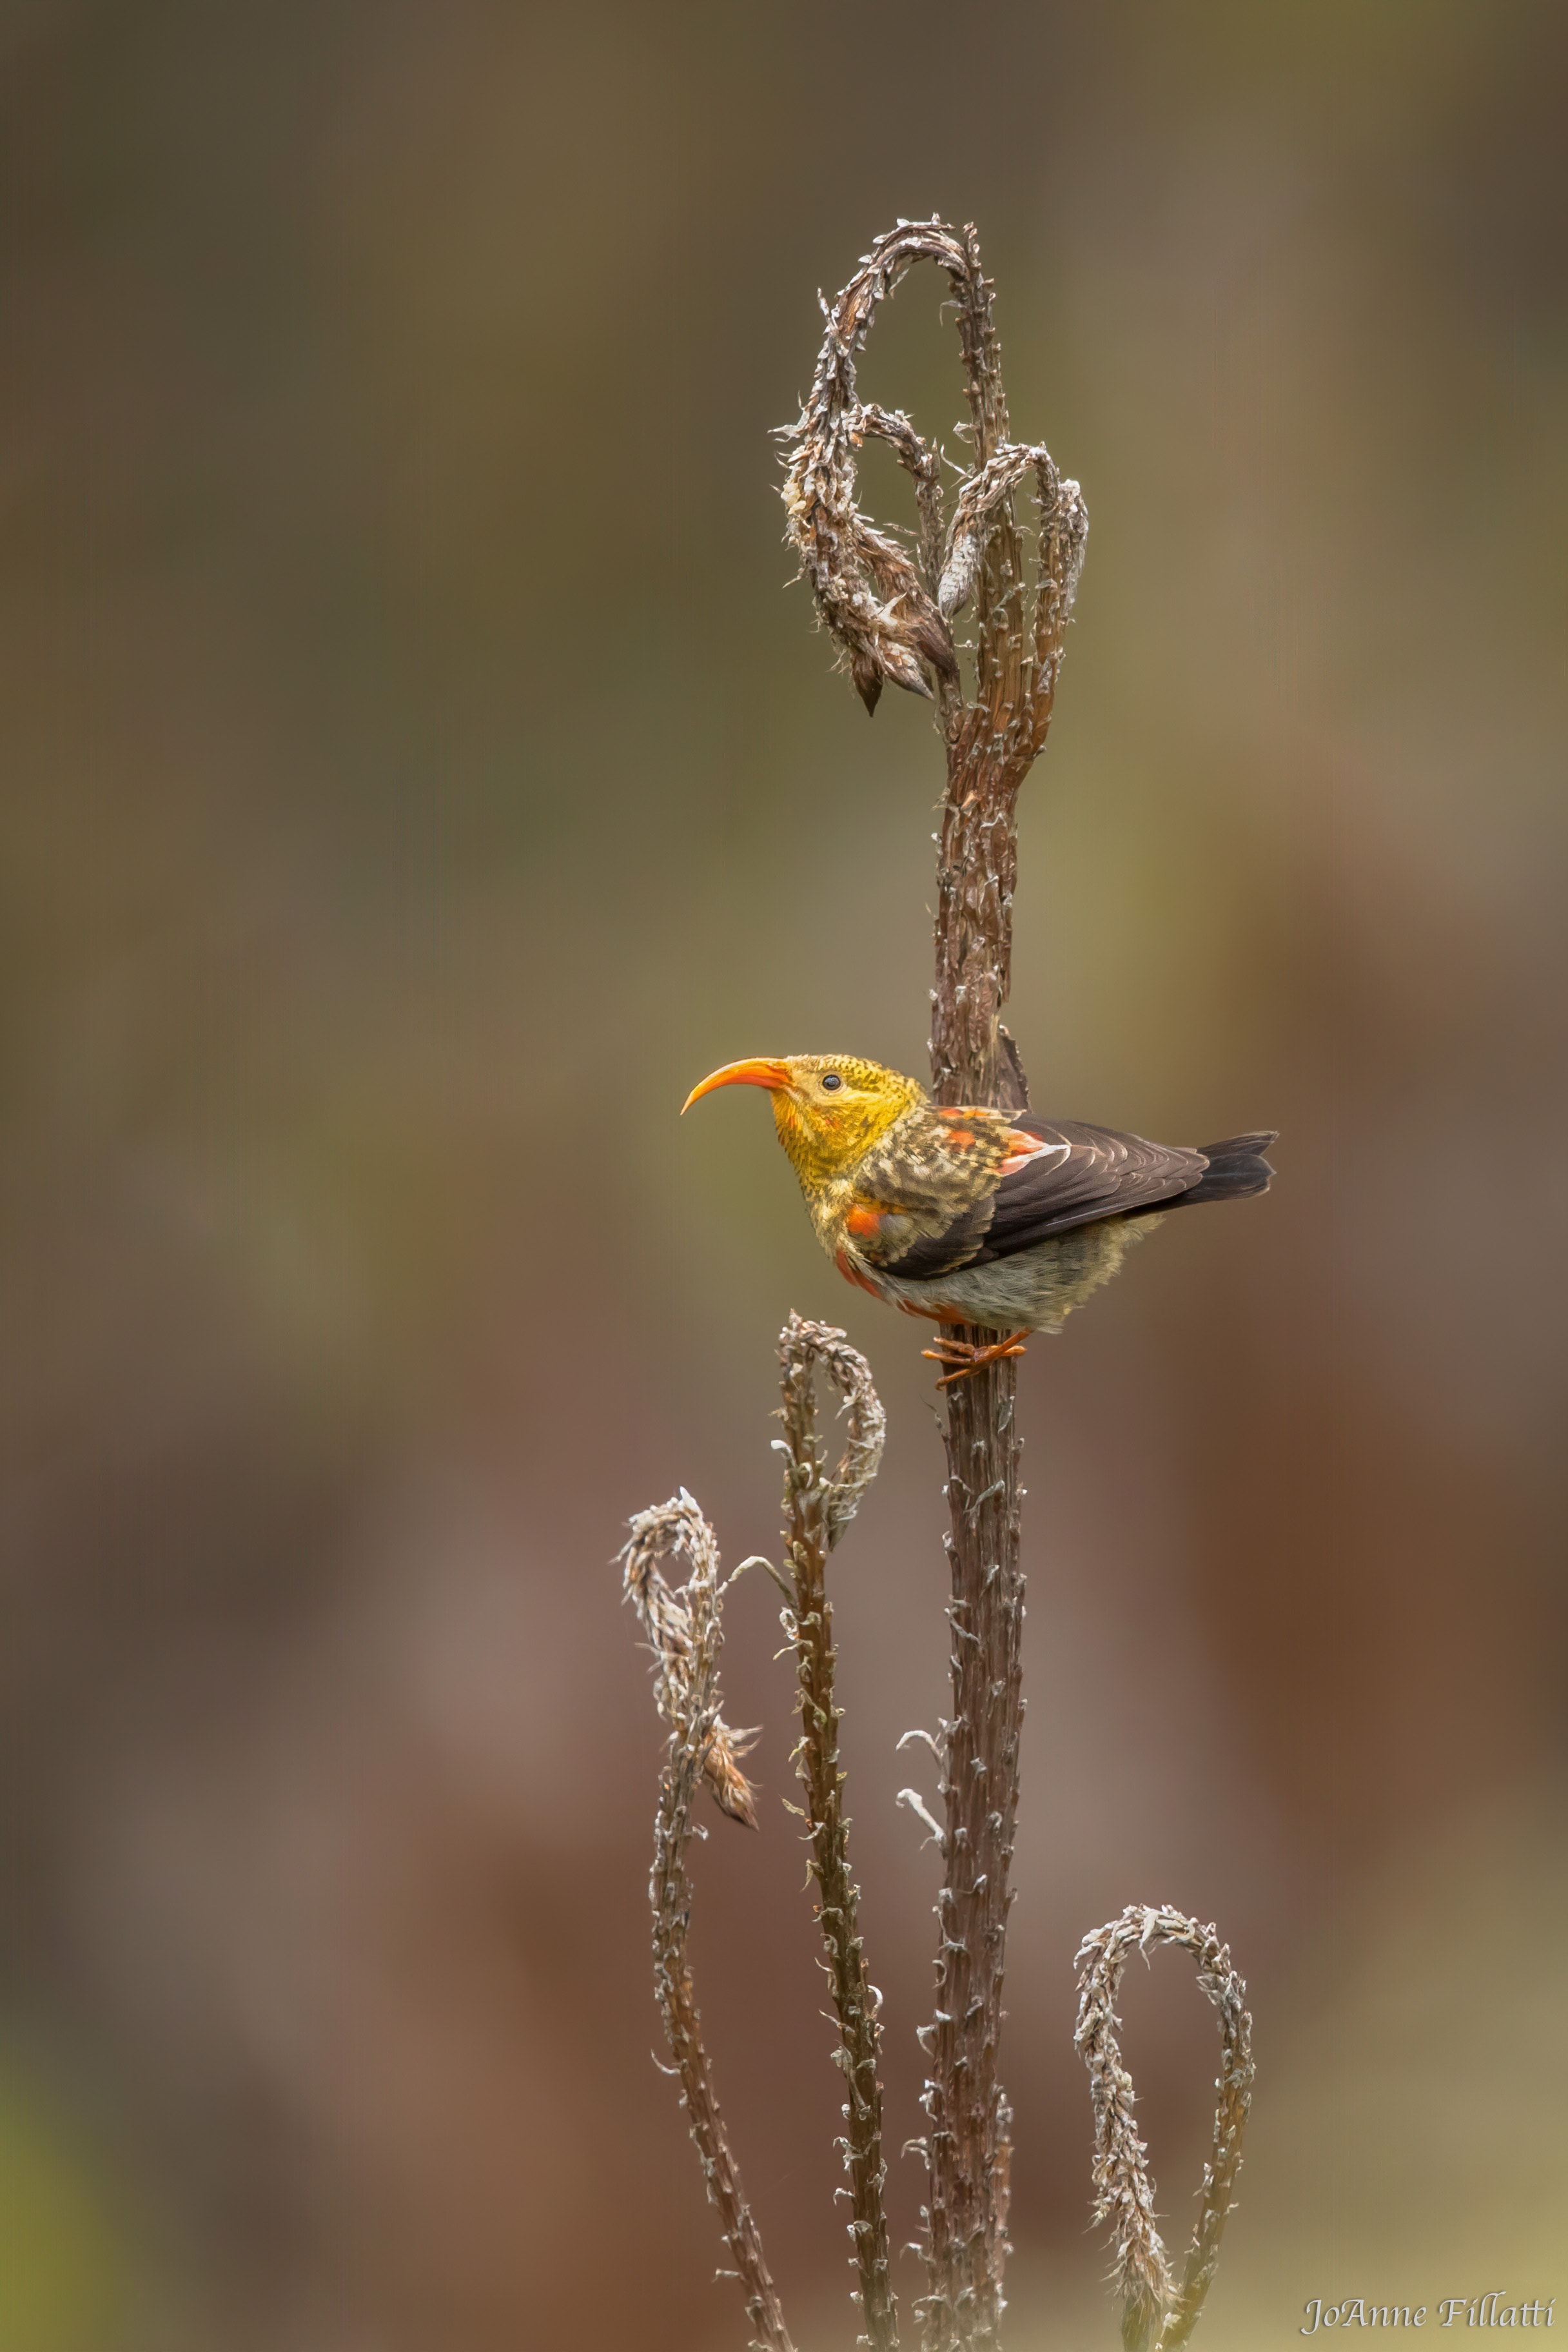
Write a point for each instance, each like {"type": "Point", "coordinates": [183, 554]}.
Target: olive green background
{"type": "Point", "coordinates": [417, 774]}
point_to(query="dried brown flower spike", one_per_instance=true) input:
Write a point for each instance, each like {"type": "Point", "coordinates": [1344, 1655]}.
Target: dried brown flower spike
{"type": "Point", "coordinates": [818, 1509]}
{"type": "Point", "coordinates": [685, 1635]}
{"type": "Point", "coordinates": [1124, 2189]}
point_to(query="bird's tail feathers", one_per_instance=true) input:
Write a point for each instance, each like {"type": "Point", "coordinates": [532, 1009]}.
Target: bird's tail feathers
{"type": "Point", "coordinates": [1235, 1167]}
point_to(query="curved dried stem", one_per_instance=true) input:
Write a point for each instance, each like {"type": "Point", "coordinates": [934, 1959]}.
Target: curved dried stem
{"type": "Point", "coordinates": [803, 1346]}
{"type": "Point", "coordinates": [684, 1631]}
{"type": "Point", "coordinates": [817, 1508]}
{"type": "Point", "coordinates": [1156, 2310]}
{"type": "Point", "coordinates": [868, 593]}
{"type": "Point", "coordinates": [684, 1634]}
{"type": "Point", "coordinates": [922, 460]}
{"type": "Point", "coordinates": [889, 619]}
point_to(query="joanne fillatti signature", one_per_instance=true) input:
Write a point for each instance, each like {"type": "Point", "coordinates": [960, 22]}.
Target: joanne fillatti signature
{"type": "Point", "coordinates": [1454, 2311]}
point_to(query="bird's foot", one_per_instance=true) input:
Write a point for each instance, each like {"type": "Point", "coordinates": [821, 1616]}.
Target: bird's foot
{"type": "Point", "coordinates": [966, 1358]}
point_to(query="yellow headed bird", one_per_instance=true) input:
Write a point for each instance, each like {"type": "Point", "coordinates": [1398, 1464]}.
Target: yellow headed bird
{"type": "Point", "coordinates": [991, 1217]}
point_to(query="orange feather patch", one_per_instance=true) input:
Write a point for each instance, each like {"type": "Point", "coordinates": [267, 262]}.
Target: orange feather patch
{"type": "Point", "coordinates": [1026, 1148]}
{"type": "Point", "coordinates": [853, 1274]}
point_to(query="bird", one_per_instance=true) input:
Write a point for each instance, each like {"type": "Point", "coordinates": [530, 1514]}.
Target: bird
{"type": "Point", "coordinates": [997, 1219]}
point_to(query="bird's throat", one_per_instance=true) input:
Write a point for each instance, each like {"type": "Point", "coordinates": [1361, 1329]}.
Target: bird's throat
{"type": "Point", "coordinates": [825, 1144]}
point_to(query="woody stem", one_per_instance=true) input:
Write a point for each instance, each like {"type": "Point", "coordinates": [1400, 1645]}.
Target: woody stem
{"type": "Point", "coordinates": [990, 745]}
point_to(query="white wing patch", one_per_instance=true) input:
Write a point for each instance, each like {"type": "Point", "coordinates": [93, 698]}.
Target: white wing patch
{"type": "Point", "coordinates": [1028, 1147]}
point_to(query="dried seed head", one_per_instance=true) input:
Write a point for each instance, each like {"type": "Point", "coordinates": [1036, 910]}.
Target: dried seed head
{"type": "Point", "coordinates": [683, 1630]}
{"type": "Point", "coordinates": [868, 592]}
{"type": "Point", "coordinates": [802, 1347]}
{"type": "Point", "coordinates": [1123, 2187]}
{"type": "Point", "coordinates": [685, 1634]}
{"type": "Point", "coordinates": [731, 1789]}
{"type": "Point", "coordinates": [888, 617]}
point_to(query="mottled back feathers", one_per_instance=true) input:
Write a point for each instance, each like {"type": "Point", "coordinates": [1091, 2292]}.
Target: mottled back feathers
{"type": "Point", "coordinates": [999, 1182]}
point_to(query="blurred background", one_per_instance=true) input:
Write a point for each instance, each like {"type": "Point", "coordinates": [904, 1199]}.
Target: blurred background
{"type": "Point", "coordinates": [418, 772]}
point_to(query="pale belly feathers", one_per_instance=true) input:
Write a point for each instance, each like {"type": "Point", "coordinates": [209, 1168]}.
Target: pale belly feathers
{"type": "Point", "coordinates": [1034, 1291]}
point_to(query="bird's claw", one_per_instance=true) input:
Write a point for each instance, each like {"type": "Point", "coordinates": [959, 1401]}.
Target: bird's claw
{"type": "Point", "coordinates": [967, 1359]}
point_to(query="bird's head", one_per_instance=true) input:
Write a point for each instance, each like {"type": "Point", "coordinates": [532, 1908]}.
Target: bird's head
{"type": "Point", "coordinates": [829, 1109]}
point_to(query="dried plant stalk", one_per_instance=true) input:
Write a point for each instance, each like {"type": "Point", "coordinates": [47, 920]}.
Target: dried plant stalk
{"type": "Point", "coordinates": [1124, 2189]}
{"type": "Point", "coordinates": [895, 624]}
{"type": "Point", "coordinates": [968, 2142]}
{"type": "Point", "coordinates": [685, 1634]}
{"type": "Point", "coordinates": [892, 617]}
{"type": "Point", "coordinates": [991, 745]}
{"type": "Point", "coordinates": [818, 1509]}
{"type": "Point", "coordinates": [868, 592]}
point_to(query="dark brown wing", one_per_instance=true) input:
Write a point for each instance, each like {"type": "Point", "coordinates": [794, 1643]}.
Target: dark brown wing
{"type": "Point", "coordinates": [1077, 1175]}
{"type": "Point", "coordinates": [1101, 1173]}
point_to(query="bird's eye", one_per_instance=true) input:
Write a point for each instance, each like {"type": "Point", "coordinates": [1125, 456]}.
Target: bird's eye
{"type": "Point", "coordinates": [831, 1082]}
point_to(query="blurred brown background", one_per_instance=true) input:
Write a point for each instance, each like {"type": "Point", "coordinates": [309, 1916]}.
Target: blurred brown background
{"type": "Point", "coordinates": [415, 776]}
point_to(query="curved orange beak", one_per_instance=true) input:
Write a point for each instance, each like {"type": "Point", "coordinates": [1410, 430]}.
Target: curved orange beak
{"type": "Point", "coordinates": [772, 1075]}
